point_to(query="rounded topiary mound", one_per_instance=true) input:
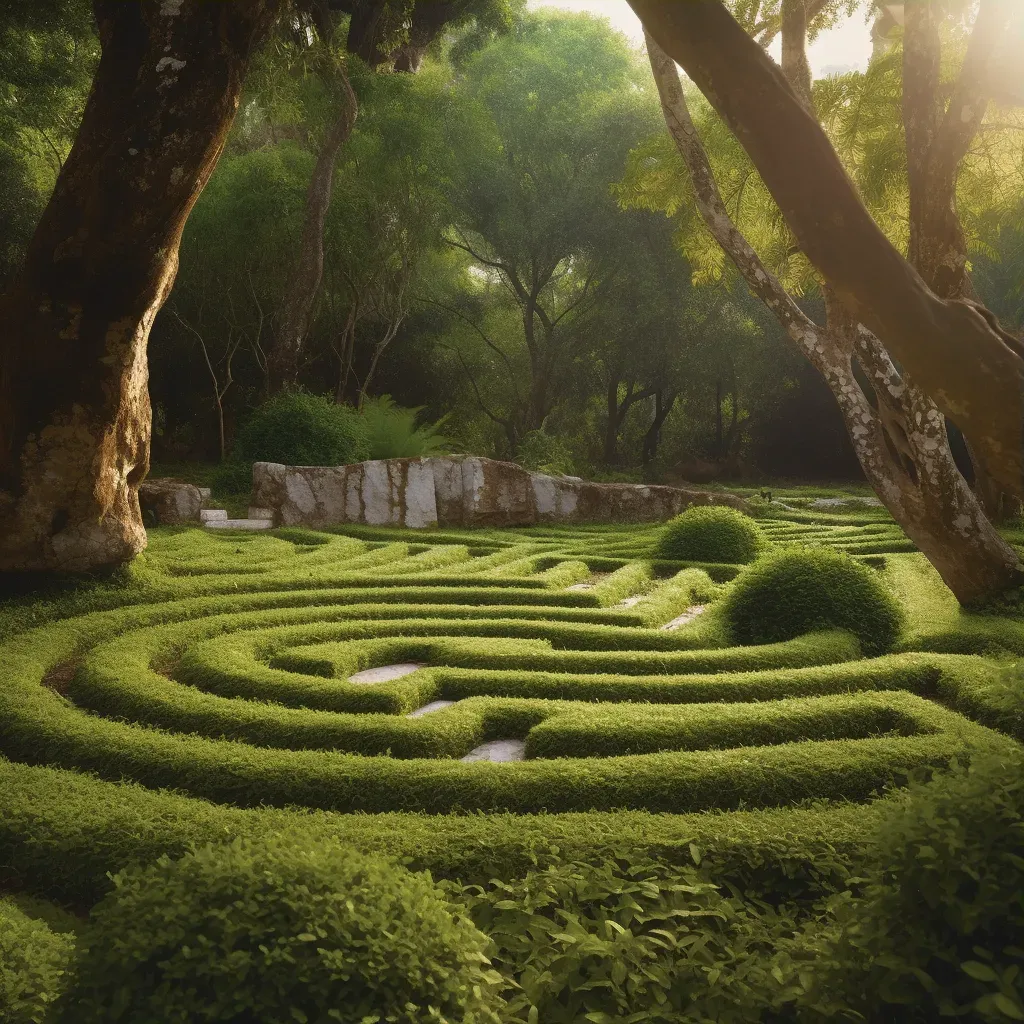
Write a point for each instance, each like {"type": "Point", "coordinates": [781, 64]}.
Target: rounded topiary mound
{"type": "Point", "coordinates": [299, 429]}
{"type": "Point", "coordinates": [281, 932]}
{"type": "Point", "coordinates": [710, 533]}
{"type": "Point", "coordinates": [797, 591]}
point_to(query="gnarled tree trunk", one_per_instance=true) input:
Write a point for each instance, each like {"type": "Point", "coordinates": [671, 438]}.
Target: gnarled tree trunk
{"type": "Point", "coordinates": [956, 351]}
{"type": "Point", "coordinates": [897, 431]}
{"type": "Point", "coordinates": [74, 401]}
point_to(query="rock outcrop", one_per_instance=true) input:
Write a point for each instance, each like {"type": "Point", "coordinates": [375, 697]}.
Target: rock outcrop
{"type": "Point", "coordinates": [170, 502]}
{"type": "Point", "coordinates": [458, 491]}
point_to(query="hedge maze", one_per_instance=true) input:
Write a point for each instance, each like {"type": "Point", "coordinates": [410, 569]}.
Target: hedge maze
{"type": "Point", "coordinates": [562, 682]}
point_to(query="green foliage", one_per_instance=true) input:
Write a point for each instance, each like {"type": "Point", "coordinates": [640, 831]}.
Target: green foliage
{"type": "Point", "coordinates": [392, 433]}
{"type": "Point", "coordinates": [623, 940]}
{"type": "Point", "coordinates": [710, 533]}
{"type": "Point", "coordinates": [794, 591]}
{"type": "Point", "coordinates": [278, 932]}
{"type": "Point", "coordinates": [545, 453]}
{"type": "Point", "coordinates": [937, 930]}
{"type": "Point", "coordinates": [299, 429]}
{"type": "Point", "coordinates": [34, 966]}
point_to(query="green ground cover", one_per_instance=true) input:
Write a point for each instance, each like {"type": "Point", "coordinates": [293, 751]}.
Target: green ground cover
{"type": "Point", "coordinates": [205, 696]}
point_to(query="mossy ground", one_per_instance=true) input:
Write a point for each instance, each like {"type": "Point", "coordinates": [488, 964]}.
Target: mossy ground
{"type": "Point", "coordinates": [203, 694]}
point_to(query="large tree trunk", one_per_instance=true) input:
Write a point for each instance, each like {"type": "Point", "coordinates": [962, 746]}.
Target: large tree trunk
{"type": "Point", "coordinates": [898, 433]}
{"type": "Point", "coordinates": [297, 309]}
{"type": "Point", "coordinates": [74, 402]}
{"type": "Point", "coordinates": [956, 351]}
{"type": "Point", "coordinates": [938, 138]}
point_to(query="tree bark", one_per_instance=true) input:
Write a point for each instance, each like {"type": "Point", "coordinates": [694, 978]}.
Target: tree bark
{"type": "Point", "coordinates": [662, 407]}
{"type": "Point", "coordinates": [898, 433]}
{"type": "Point", "coordinates": [955, 350]}
{"type": "Point", "coordinates": [297, 309]}
{"type": "Point", "coordinates": [74, 402]}
{"type": "Point", "coordinates": [938, 138]}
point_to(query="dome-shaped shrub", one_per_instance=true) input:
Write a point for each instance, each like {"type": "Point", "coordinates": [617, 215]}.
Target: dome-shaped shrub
{"type": "Point", "coordinates": [798, 590]}
{"type": "Point", "coordinates": [299, 429]}
{"type": "Point", "coordinates": [281, 932]}
{"type": "Point", "coordinates": [710, 533]}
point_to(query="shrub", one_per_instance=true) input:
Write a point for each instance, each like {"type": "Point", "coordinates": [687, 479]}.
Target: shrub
{"type": "Point", "coordinates": [710, 533]}
{"type": "Point", "coordinates": [232, 477]}
{"type": "Point", "coordinates": [938, 930]}
{"type": "Point", "coordinates": [797, 591]}
{"type": "Point", "coordinates": [545, 453]}
{"type": "Point", "coordinates": [626, 939]}
{"type": "Point", "coordinates": [281, 931]}
{"type": "Point", "coordinates": [299, 429]}
{"type": "Point", "coordinates": [392, 433]}
{"type": "Point", "coordinates": [33, 966]}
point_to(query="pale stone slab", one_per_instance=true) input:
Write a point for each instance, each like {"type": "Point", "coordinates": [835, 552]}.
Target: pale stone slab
{"type": "Point", "coordinates": [210, 515]}
{"type": "Point", "coordinates": [385, 673]}
{"type": "Point", "coordinates": [581, 586]}
{"type": "Point", "coordinates": [631, 602]}
{"type": "Point", "coordinates": [434, 705]}
{"type": "Point", "coordinates": [498, 750]}
{"type": "Point", "coordinates": [240, 524]}
{"type": "Point", "coordinates": [688, 616]}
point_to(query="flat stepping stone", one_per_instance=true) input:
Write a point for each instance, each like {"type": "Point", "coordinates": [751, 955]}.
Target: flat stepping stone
{"type": "Point", "coordinates": [385, 673]}
{"type": "Point", "coordinates": [212, 515]}
{"type": "Point", "coordinates": [498, 750]}
{"type": "Point", "coordinates": [630, 602]}
{"type": "Point", "coordinates": [688, 616]}
{"type": "Point", "coordinates": [434, 705]}
{"type": "Point", "coordinates": [239, 524]}
{"type": "Point", "coordinates": [581, 586]}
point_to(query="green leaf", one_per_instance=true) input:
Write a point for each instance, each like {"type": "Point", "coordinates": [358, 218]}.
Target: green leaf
{"type": "Point", "coordinates": [979, 971]}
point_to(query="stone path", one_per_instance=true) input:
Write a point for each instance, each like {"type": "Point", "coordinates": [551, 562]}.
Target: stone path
{"type": "Point", "coordinates": [217, 519]}
{"type": "Point", "coordinates": [434, 705]}
{"type": "Point", "coordinates": [688, 616]}
{"type": "Point", "coordinates": [631, 602]}
{"type": "Point", "coordinates": [385, 673]}
{"type": "Point", "coordinates": [498, 750]}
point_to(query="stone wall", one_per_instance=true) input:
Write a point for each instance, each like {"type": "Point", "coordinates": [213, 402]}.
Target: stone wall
{"type": "Point", "coordinates": [458, 491]}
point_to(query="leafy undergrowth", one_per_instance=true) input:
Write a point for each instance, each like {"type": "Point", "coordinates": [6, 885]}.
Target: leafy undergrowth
{"type": "Point", "coordinates": [683, 838]}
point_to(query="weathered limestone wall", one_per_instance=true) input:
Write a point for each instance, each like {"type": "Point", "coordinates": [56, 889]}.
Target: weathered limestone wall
{"type": "Point", "coordinates": [392, 492]}
{"type": "Point", "coordinates": [458, 491]}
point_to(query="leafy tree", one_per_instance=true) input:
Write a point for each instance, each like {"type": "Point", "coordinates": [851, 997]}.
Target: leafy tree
{"type": "Point", "coordinates": [552, 110]}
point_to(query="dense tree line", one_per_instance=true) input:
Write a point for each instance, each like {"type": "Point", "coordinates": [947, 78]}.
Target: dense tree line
{"type": "Point", "coordinates": [478, 210]}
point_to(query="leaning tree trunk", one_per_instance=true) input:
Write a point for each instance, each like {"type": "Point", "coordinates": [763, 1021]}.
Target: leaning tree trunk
{"type": "Point", "coordinates": [897, 431]}
{"type": "Point", "coordinates": [74, 401]}
{"type": "Point", "coordinates": [304, 283]}
{"type": "Point", "coordinates": [938, 137]}
{"type": "Point", "coordinates": [957, 352]}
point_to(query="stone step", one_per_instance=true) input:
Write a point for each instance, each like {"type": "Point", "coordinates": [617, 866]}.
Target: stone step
{"type": "Point", "coordinates": [688, 616]}
{"type": "Point", "coordinates": [434, 705]}
{"type": "Point", "coordinates": [498, 750]}
{"type": "Point", "coordinates": [205, 493]}
{"type": "Point", "coordinates": [210, 515]}
{"type": "Point", "coordinates": [240, 524]}
{"type": "Point", "coordinates": [260, 513]}
{"type": "Point", "coordinates": [384, 673]}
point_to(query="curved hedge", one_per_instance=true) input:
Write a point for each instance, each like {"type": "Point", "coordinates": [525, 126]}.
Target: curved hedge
{"type": "Point", "coordinates": [796, 591]}
{"type": "Point", "coordinates": [710, 533]}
